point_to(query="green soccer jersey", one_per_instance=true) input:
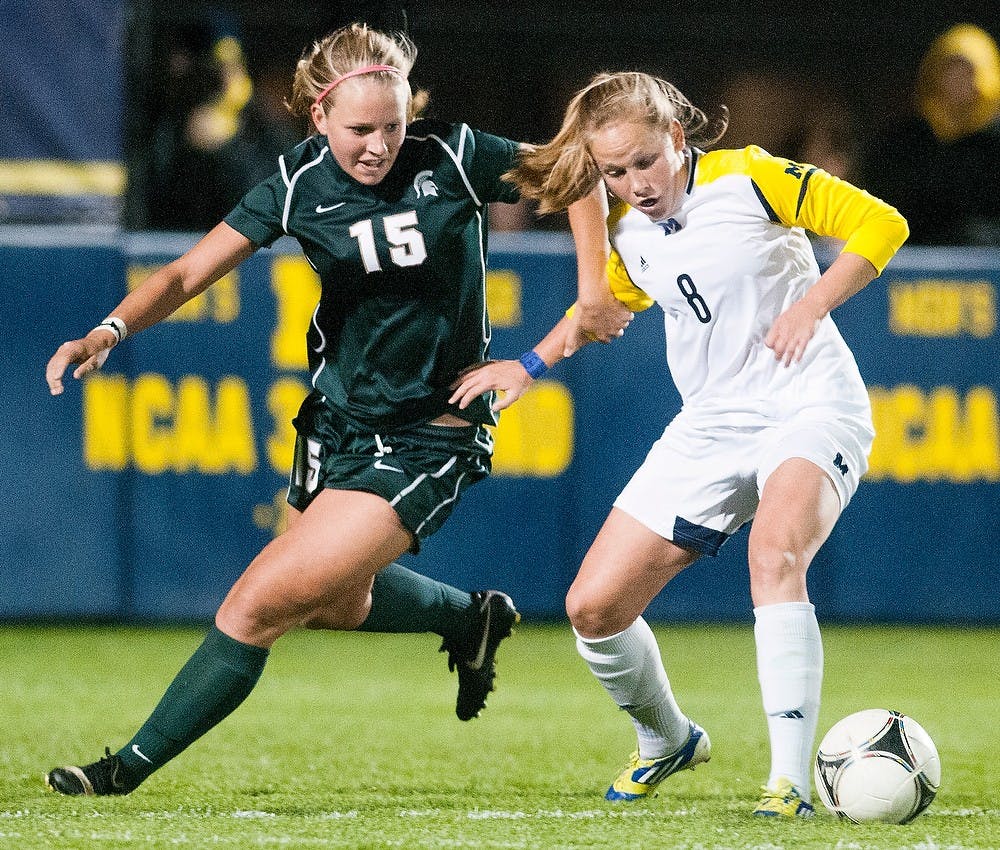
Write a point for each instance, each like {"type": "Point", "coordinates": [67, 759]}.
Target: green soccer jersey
{"type": "Point", "coordinates": [402, 265]}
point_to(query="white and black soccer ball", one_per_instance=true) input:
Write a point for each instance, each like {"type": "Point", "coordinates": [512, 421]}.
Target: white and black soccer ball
{"type": "Point", "coordinates": [877, 765]}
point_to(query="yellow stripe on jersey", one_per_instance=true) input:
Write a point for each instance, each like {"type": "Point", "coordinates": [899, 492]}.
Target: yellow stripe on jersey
{"type": "Point", "coordinates": [621, 284]}
{"type": "Point", "coordinates": [801, 195]}
{"type": "Point", "coordinates": [622, 287]}
{"type": "Point", "coordinates": [616, 213]}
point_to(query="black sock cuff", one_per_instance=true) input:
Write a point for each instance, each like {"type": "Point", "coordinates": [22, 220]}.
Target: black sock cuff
{"type": "Point", "coordinates": [242, 657]}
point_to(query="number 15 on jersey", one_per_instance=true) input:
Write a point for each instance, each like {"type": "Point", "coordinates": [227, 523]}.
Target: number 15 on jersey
{"type": "Point", "coordinates": [407, 242]}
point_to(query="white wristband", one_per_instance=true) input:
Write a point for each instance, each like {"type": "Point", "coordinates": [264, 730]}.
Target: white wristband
{"type": "Point", "coordinates": [116, 326]}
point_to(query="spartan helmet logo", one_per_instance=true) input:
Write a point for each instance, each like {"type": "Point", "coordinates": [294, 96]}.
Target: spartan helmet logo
{"type": "Point", "coordinates": [423, 185]}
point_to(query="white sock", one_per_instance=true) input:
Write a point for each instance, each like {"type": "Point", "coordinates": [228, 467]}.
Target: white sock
{"type": "Point", "coordinates": [790, 670]}
{"type": "Point", "coordinates": [629, 666]}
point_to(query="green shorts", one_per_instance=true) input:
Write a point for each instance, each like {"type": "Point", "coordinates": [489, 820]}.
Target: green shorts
{"type": "Point", "coordinates": [420, 470]}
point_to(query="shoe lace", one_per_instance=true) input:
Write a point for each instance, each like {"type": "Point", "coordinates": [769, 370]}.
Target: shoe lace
{"type": "Point", "coordinates": [780, 796]}
{"type": "Point", "coordinates": [457, 645]}
{"type": "Point", "coordinates": [110, 766]}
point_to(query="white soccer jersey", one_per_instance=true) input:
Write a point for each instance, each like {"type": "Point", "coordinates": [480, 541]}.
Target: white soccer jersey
{"type": "Point", "coordinates": [730, 260]}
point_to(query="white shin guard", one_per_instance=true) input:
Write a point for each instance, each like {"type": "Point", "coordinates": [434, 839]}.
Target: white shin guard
{"type": "Point", "coordinates": [790, 671]}
{"type": "Point", "coordinates": [629, 667]}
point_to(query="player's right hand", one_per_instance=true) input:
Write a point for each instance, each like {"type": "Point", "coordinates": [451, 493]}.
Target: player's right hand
{"type": "Point", "coordinates": [507, 376]}
{"type": "Point", "coordinates": [89, 352]}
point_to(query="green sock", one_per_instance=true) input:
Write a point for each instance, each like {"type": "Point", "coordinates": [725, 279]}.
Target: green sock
{"type": "Point", "coordinates": [405, 601]}
{"type": "Point", "coordinates": [216, 679]}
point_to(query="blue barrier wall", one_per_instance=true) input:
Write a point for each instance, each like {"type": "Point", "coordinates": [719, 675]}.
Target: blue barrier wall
{"type": "Point", "coordinates": [61, 135]}
{"type": "Point", "coordinates": [142, 492]}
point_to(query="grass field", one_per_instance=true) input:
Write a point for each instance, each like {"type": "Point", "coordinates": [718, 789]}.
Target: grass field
{"type": "Point", "coordinates": [350, 741]}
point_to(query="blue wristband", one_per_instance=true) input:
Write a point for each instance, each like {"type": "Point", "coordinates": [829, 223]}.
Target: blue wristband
{"type": "Point", "coordinates": [533, 364]}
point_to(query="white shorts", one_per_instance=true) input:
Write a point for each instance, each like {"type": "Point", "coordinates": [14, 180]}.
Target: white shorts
{"type": "Point", "coordinates": [702, 480]}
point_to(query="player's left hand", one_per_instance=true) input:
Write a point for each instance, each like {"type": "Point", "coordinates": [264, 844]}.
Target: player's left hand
{"type": "Point", "coordinates": [600, 321]}
{"type": "Point", "coordinates": [508, 376]}
{"type": "Point", "coordinates": [791, 332]}
{"type": "Point", "coordinates": [577, 336]}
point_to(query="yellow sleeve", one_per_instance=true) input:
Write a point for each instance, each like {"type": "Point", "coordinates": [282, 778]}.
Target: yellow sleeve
{"type": "Point", "coordinates": [801, 195]}
{"type": "Point", "coordinates": [620, 283]}
{"type": "Point", "coordinates": [622, 287]}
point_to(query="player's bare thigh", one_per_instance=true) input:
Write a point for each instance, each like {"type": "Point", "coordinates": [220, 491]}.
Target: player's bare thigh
{"type": "Point", "coordinates": [321, 566]}
{"type": "Point", "coordinates": [626, 567]}
{"type": "Point", "coordinates": [798, 509]}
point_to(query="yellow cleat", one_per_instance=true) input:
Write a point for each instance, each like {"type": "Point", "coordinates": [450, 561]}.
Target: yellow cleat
{"type": "Point", "coordinates": [641, 776]}
{"type": "Point", "coordinates": [782, 801]}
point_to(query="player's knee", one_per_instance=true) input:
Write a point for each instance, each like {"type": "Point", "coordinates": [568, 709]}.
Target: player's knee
{"type": "Point", "coordinates": [776, 571]}
{"type": "Point", "coordinates": [588, 614]}
{"type": "Point", "coordinates": [257, 623]}
{"type": "Point", "coordinates": [774, 559]}
{"type": "Point", "coordinates": [578, 610]}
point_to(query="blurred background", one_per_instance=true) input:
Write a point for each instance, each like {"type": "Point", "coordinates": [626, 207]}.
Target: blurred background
{"type": "Point", "coordinates": [128, 128]}
{"type": "Point", "coordinates": [106, 83]}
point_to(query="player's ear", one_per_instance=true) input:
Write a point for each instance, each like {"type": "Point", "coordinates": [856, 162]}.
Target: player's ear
{"type": "Point", "coordinates": [677, 135]}
{"type": "Point", "coordinates": [318, 115]}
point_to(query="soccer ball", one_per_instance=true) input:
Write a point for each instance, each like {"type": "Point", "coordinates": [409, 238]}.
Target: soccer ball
{"type": "Point", "coordinates": [877, 765]}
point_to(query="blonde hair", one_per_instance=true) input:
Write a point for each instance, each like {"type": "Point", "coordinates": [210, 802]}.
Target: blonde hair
{"type": "Point", "coordinates": [563, 171]}
{"type": "Point", "coordinates": [345, 50]}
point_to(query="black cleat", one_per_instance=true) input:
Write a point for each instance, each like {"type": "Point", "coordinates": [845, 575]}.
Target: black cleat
{"type": "Point", "coordinates": [103, 777]}
{"type": "Point", "coordinates": [492, 615]}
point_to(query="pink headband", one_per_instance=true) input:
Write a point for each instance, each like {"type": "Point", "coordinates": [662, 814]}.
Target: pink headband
{"type": "Point", "coordinates": [367, 69]}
